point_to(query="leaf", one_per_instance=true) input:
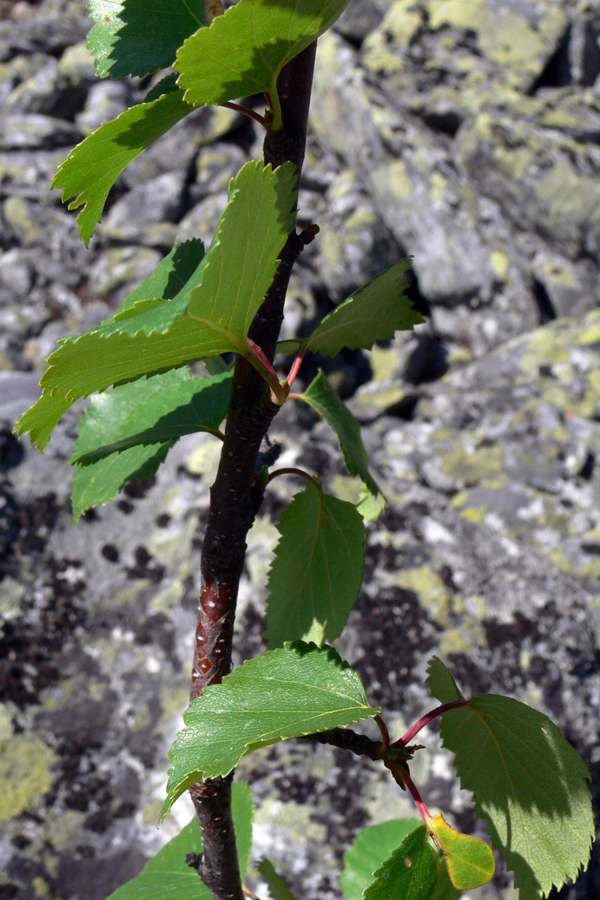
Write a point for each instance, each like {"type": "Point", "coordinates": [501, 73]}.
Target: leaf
{"type": "Point", "coordinates": [318, 568]}
{"type": "Point", "coordinates": [169, 278]}
{"type": "Point", "coordinates": [210, 315]}
{"type": "Point", "coordinates": [278, 889]}
{"type": "Point", "coordinates": [529, 784]}
{"type": "Point", "coordinates": [369, 505]}
{"type": "Point", "coordinates": [243, 51]}
{"type": "Point", "coordinates": [469, 860]}
{"type": "Point", "coordinates": [370, 849]}
{"type": "Point", "coordinates": [135, 37]}
{"type": "Point", "coordinates": [409, 873]}
{"type": "Point", "coordinates": [373, 313]}
{"type": "Point", "coordinates": [92, 167]}
{"type": "Point", "coordinates": [127, 432]}
{"type": "Point", "coordinates": [289, 692]}
{"type": "Point", "coordinates": [151, 411]}
{"type": "Point", "coordinates": [326, 401]}
{"type": "Point", "coordinates": [441, 683]}
{"type": "Point", "coordinates": [167, 877]}
{"type": "Point", "coordinates": [102, 481]}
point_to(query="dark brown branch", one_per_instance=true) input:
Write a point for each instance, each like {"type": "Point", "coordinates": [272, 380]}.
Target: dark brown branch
{"type": "Point", "coordinates": [236, 497]}
{"type": "Point", "coordinates": [347, 739]}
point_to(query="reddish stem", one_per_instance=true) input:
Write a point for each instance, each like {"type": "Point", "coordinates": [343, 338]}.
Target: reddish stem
{"type": "Point", "coordinates": [246, 112]}
{"type": "Point", "coordinates": [426, 719]}
{"type": "Point", "coordinates": [291, 470]}
{"type": "Point", "coordinates": [384, 733]}
{"type": "Point", "coordinates": [425, 814]}
{"type": "Point", "coordinates": [296, 365]}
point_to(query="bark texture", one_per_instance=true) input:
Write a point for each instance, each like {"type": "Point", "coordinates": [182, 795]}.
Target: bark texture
{"type": "Point", "coordinates": [236, 496]}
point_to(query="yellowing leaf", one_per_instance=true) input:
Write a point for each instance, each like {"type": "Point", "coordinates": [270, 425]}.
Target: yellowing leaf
{"type": "Point", "coordinates": [469, 860]}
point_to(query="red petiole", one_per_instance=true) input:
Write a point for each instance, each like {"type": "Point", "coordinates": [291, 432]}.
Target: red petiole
{"type": "Point", "coordinates": [426, 719]}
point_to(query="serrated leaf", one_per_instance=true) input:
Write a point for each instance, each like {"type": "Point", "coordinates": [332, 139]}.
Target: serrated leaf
{"type": "Point", "coordinates": [167, 877]}
{"type": "Point", "coordinates": [369, 505]}
{"type": "Point", "coordinates": [409, 873]}
{"type": "Point", "coordinates": [289, 692]}
{"type": "Point", "coordinates": [136, 37]}
{"type": "Point", "coordinates": [151, 411]}
{"type": "Point", "coordinates": [326, 401]}
{"type": "Point", "coordinates": [441, 683]}
{"type": "Point", "coordinates": [318, 568]}
{"type": "Point", "coordinates": [529, 785]}
{"type": "Point", "coordinates": [370, 849]}
{"type": "Point", "coordinates": [469, 860]}
{"type": "Point", "coordinates": [171, 275]}
{"type": "Point", "coordinates": [127, 432]}
{"type": "Point", "coordinates": [101, 482]}
{"type": "Point", "coordinates": [243, 51]}
{"type": "Point", "coordinates": [373, 313]}
{"type": "Point", "coordinates": [210, 315]}
{"type": "Point", "coordinates": [278, 889]}
{"type": "Point", "coordinates": [92, 167]}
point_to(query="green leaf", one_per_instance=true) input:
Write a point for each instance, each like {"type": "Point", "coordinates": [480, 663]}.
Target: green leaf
{"type": "Point", "coordinates": [127, 432]}
{"type": "Point", "coordinates": [243, 51]}
{"type": "Point", "coordinates": [409, 873]}
{"type": "Point", "coordinates": [529, 784]}
{"type": "Point", "coordinates": [210, 315]}
{"type": "Point", "coordinates": [278, 889]}
{"type": "Point", "coordinates": [369, 505]}
{"type": "Point", "coordinates": [289, 692]}
{"type": "Point", "coordinates": [102, 481]}
{"type": "Point", "coordinates": [156, 410]}
{"type": "Point", "coordinates": [370, 849]}
{"type": "Point", "coordinates": [92, 167]}
{"type": "Point", "coordinates": [373, 313]}
{"type": "Point", "coordinates": [469, 860]}
{"type": "Point", "coordinates": [318, 568]}
{"type": "Point", "coordinates": [167, 877]}
{"type": "Point", "coordinates": [441, 683]}
{"type": "Point", "coordinates": [169, 278]}
{"type": "Point", "coordinates": [135, 37]}
{"type": "Point", "coordinates": [326, 401]}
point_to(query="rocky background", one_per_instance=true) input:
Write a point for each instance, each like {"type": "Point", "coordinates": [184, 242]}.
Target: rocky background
{"type": "Point", "coordinates": [465, 133]}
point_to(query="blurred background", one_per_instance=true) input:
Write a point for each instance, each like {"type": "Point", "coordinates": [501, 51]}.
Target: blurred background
{"type": "Point", "coordinates": [464, 133]}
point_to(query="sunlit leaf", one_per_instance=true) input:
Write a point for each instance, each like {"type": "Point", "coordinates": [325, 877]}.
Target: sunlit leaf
{"type": "Point", "coordinates": [243, 51]}
{"type": "Point", "coordinates": [135, 37]}
{"type": "Point", "coordinates": [289, 692]}
{"type": "Point", "coordinates": [470, 861]}
{"type": "Point", "coordinates": [92, 167]}
{"type": "Point", "coordinates": [210, 315]}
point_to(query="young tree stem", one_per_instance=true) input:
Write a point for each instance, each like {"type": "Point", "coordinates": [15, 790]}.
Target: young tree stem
{"type": "Point", "coordinates": [236, 496]}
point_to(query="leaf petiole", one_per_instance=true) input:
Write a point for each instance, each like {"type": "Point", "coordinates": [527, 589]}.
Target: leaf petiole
{"type": "Point", "coordinates": [426, 719]}
{"type": "Point", "coordinates": [237, 107]}
{"type": "Point", "coordinates": [291, 470]}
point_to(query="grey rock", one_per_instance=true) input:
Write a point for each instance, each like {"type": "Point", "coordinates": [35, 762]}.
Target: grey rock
{"type": "Point", "coordinates": [17, 273]}
{"type": "Point", "coordinates": [152, 203]}
{"type": "Point", "coordinates": [33, 132]}
{"type": "Point", "coordinates": [117, 271]}
{"type": "Point", "coordinates": [105, 100]}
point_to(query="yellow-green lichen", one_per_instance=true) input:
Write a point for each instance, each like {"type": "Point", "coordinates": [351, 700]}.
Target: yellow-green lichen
{"type": "Point", "coordinates": [472, 466]}
{"type": "Point", "coordinates": [25, 773]}
{"type": "Point", "coordinates": [499, 262]}
{"type": "Point", "coordinates": [430, 588]}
